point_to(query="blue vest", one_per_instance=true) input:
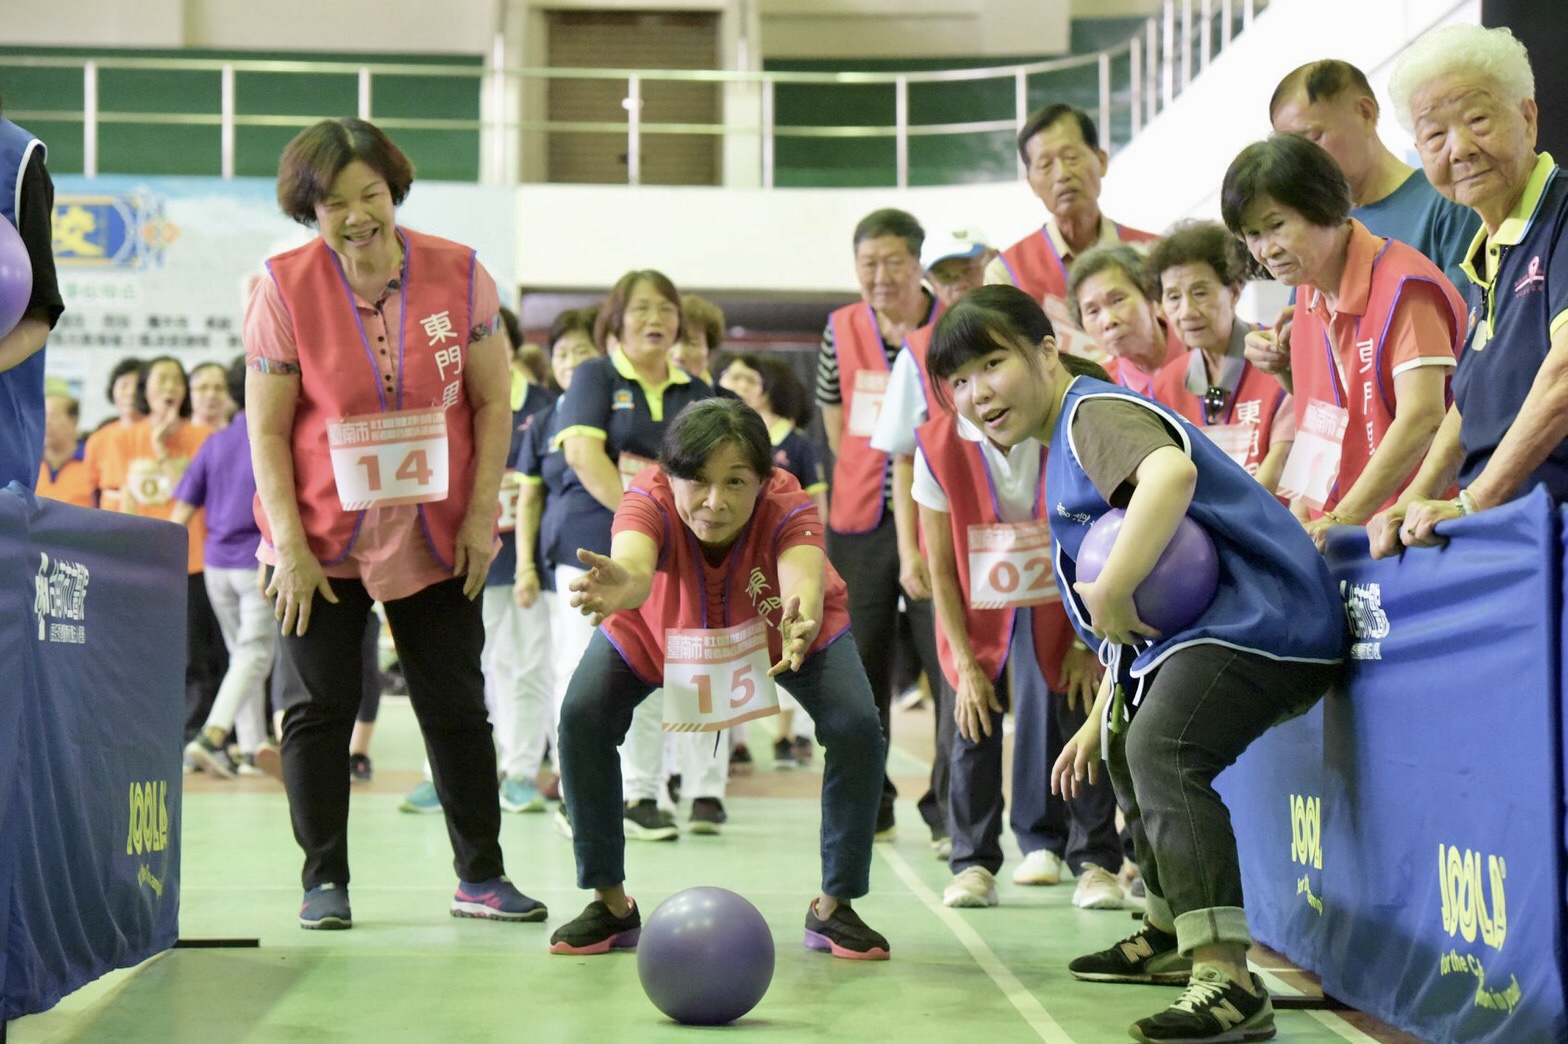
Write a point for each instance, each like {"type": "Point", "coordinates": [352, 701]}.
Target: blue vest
{"type": "Point", "coordinates": [1275, 598]}
{"type": "Point", "coordinates": [21, 387]}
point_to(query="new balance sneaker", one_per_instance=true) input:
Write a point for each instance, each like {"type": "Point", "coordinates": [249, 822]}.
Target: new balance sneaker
{"type": "Point", "coordinates": [1212, 1010]}
{"type": "Point", "coordinates": [844, 935]}
{"type": "Point", "coordinates": [971, 887]}
{"type": "Point", "coordinates": [421, 799]}
{"type": "Point", "coordinates": [496, 900]}
{"type": "Point", "coordinates": [359, 769]}
{"type": "Point", "coordinates": [1098, 889]}
{"type": "Point", "coordinates": [520, 795]}
{"type": "Point", "coordinates": [645, 821]}
{"type": "Point", "coordinates": [325, 907]}
{"type": "Point", "coordinates": [707, 815]}
{"type": "Point", "coordinates": [1040, 867]}
{"type": "Point", "coordinates": [1147, 956]}
{"type": "Point", "coordinates": [597, 930]}
{"type": "Point", "coordinates": [784, 754]}
{"type": "Point", "coordinates": [210, 757]}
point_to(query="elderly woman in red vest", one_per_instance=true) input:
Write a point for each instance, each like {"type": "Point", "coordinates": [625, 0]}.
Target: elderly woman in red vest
{"type": "Point", "coordinates": [377, 398]}
{"type": "Point", "coordinates": [1376, 333]}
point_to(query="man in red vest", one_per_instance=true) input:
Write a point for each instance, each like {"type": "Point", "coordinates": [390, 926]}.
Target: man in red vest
{"type": "Point", "coordinates": [853, 371]}
{"type": "Point", "coordinates": [1063, 163]}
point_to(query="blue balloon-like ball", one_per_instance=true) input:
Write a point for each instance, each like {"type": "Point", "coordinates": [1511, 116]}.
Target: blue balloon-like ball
{"type": "Point", "coordinates": [16, 277]}
{"type": "Point", "coordinates": [1182, 583]}
{"type": "Point", "coordinates": [705, 956]}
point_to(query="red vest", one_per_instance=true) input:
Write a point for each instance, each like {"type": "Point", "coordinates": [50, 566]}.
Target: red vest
{"type": "Point", "coordinates": [678, 598]}
{"type": "Point", "coordinates": [1037, 268]}
{"type": "Point", "coordinates": [960, 469]}
{"type": "Point", "coordinates": [1257, 400]}
{"type": "Point", "coordinates": [1368, 372]}
{"type": "Point", "coordinates": [339, 377]}
{"type": "Point", "coordinates": [859, 473]}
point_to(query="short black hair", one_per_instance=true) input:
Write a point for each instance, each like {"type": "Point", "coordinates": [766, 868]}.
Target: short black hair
{"type": "Point", "coordinates": [701, 428]}
{"type": "Point", "coordinates": [129, 364]}
{"type": "Point", "coordinates": [784, 391]}
{"type": "Point", "coordinates": [235, 375]}
{"type": "Point", "coordinates": [890, 221]}
{"type": "Point", "coordinates": [1197, 243]}
{"type": "Point", "coordinates": [984, 320]}
{"type": "Point", "coordinates": [1040, 119]}
{"type": "Point", "coordinates": [1291, 171]}
{"type": "Point", "coordinates": [1327, 79]}
{"type": "Point", "coordinates": [142, 405]}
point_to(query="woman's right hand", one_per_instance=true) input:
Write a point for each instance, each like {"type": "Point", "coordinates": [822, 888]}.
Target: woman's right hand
{"type": "Point", "coordinates": [1080, 756]}
{"type": "Point", "coordinates": [296, 580]}
{"type": "Point", "coordinates": [1264, 350]}
{"type": "Point", "coordinates": [525, 589]}
{"type": "Point", "coordinates": [605, 588]}
{"type": "Point", "coordinates": [974, 703]}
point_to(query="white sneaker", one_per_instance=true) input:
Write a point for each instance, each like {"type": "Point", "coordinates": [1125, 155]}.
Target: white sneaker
{"type": "Point", "coordinates": [1098, 889]}
{"type": "Point", "coordinates": [973, 886]}
{"type": "Point", "coordinates": [1041, 867]}
{"type": "Point", "coordinates": [942, 848]}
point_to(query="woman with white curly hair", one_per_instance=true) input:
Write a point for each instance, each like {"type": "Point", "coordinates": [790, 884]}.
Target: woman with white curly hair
{"type": "Point", "coordinates": [1468, 95]}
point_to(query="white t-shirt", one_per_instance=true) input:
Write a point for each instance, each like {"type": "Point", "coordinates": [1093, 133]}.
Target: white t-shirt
{"type": "Point", "coordinates": [1015, 475]}
{"type": "Point", "coordinates": [903, 410]}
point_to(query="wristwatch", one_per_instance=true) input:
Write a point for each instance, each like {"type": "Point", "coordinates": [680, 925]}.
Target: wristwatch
{"type": "Point", "coordinates": [1465, 503]}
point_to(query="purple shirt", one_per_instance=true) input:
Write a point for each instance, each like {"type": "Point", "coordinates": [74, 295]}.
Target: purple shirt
{"type": "Point", "coordinates": [220, 479]}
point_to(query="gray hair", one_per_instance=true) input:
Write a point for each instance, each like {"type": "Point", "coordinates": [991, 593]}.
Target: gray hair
{"type": "Point", "coordinates": [1494, 53]}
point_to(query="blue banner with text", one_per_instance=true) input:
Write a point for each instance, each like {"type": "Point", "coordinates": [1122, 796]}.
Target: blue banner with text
{"type": "Point", "coordinates": [92, 636]}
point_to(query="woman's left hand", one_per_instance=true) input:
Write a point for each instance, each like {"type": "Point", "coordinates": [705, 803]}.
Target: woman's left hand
{"type": "Point", "coordinates": [1318, 529]}
{"type": "Point", "coordinates": [475, 542]}
{"type": "Point", "coordinates": [797, 633]}
{"type": "Point", "coordinates": [1419, 528]}
{"type": "Point", "coordinates": [1113, 614]}
{"type": "Point", "coordinates": [1080, 756]}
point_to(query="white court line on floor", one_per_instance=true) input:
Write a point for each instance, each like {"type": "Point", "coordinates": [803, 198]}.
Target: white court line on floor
{"type": "Point", "coordinates": [1032, 1011]}
{"type": "Point", "coordinates": [1330, 1021]}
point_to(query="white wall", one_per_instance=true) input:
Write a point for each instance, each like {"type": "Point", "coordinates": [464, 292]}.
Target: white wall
{"type": "Point", "coordinates": [1175, 167]}
{"type": "Point", "coordinates": [912, 28]}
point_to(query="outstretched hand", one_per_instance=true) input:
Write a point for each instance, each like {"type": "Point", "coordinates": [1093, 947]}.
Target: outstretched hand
{"type": "Point", "coordinates": [605, 588]}
{"type": "Point", "coordinates": [797, 633]}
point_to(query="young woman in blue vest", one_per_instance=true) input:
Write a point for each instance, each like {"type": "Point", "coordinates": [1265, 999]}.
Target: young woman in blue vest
{"type": "Point", "coordinates": [1177, 708]}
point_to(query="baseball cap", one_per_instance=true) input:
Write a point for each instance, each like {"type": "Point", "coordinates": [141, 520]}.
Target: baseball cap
{"type": "Point", "coordinates": [961, 242]}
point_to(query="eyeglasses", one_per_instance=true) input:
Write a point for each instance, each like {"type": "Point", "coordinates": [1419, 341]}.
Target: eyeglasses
{"type": "Point", "coordinates": [1214, 402]}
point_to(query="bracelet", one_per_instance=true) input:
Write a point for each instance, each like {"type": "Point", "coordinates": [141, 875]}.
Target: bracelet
{"type": "Point", "coordinates": [1338, 520]}
{"type": "Point", "coordinates": [1465, 502]}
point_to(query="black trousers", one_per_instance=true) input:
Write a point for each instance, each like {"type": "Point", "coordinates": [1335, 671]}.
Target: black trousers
{"type": "Point", "coordinates": [439, 635]}
{"type": "Point", "coordinates": [206, 657]}
{"type": "Point", "coordinates": [868, 562]}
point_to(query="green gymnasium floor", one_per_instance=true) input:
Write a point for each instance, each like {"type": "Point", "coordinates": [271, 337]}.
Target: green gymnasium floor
{"type": "Point", "coordinates": [410, 972]}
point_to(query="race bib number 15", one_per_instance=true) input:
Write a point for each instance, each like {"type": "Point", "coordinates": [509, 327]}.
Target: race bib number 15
{"type": "Point", "coordinates": [717, 678]}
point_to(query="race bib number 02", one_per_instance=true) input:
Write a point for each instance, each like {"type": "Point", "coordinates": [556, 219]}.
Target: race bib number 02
{"type": "Point", "coordinates": [386, 459]}
{"type": "Point", "coordinates": [717, 678]}
{"type": "Point", "coordinates": [870, 394]}
{"type": "Point", "coordinates": [1010, 566]}
{"type": "Point", "coordinates": [1313, 464]}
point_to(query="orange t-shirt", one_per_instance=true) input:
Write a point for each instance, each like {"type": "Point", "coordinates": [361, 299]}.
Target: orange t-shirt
{"type": "Point", "coordinates": [72, 484]}
{"type": "Point", "coordinates": [133, 479]}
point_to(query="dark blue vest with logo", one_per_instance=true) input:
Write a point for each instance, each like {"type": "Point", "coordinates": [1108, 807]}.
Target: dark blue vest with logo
{"type": "Point", "coordinates": [1275, 598]}
{"type": "Point", "coordinates": [22, 386]}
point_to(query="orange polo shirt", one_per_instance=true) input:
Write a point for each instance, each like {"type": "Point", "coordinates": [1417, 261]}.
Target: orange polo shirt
{"type": "Point", "coordinates": [72, 484]}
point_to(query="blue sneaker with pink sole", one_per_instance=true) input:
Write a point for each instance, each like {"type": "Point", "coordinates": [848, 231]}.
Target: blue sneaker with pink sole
{"type": "Point", "coordinates": [496, 900]}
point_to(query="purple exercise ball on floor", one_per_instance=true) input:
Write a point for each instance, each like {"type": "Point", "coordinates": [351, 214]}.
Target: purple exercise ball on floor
{"type": "Point", "coordinates": [705, 956]}
{"type": "Point", "coordinates": [1179, 587]}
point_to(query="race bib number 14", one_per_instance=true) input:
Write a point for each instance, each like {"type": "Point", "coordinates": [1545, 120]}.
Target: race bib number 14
{"type": "Point", "coordinates": [385, 459]}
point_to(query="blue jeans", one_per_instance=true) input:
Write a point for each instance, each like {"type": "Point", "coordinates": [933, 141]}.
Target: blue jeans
{"type": "Point", "coordinates": [831, 685]}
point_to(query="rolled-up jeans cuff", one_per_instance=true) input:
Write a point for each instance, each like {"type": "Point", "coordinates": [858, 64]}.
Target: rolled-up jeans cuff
{"type": "Point", "coordinates": [1218, 924]}
{"type": "Point", "coordinates": [1157, 909]}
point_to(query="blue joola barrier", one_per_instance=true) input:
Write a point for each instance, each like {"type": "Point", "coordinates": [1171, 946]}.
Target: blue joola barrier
{"type": "Point", "coordinates": [1405, 841]}
{"type": "Point", "coordinates": [92, 672]}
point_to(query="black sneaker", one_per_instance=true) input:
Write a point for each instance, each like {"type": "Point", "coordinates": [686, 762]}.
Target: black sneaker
{"type": "Point", "coordinates": [1147, 956]}
{"type": "Point", "coordinates": [597, 930]}
{"type": "Point", "coordinates": [784, 755]}
{"type": "Point", "coordinates": [672, 787]}
{"type": "Point", "coordinates": [643, 821]}
{"type": "Point", "coordinates": [325, 907]}
{"type": "Point", "coordinates": [359, 770]}
{"type": "Point", "coordinates": [803, 749]}
{"type": "Point", "coordinates": [844, 935]}
{"type": "Point", "coordinates": [740, 761]}
{"type": "Point", "coordinates": [707, 815]}
{"type": "Point", "coordinates": [1212, 1010]}
{"type": "Point", "coordinates": [210, 757]}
